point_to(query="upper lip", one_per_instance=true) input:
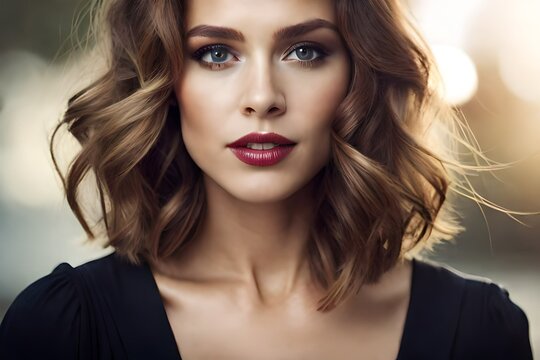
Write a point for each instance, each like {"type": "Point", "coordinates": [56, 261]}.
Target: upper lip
{"type": "Point", "coordinates": [261, 138]}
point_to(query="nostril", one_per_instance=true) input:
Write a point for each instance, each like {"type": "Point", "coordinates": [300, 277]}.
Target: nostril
{"type": "Point", "coordinates": [273, 110]}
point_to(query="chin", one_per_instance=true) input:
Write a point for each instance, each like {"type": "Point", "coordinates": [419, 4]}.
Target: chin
{"type": "Point", "coordinates": [261, 192]}
{"type": "Point", "coordinates": [258, 190]}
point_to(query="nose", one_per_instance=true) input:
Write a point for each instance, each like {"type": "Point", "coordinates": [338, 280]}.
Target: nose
{"type": "Point", "coordinates": [262, 97]}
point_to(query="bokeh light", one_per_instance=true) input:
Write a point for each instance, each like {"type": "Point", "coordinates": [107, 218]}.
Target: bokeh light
{"type": "Point", "coordinates": [519, 58]}
{"type": "Point", "coordinates": [33, 95]}
{"type": "Point", "coordinates": [446, 22]}
{"type": "Point", "coordinates": [458, 72]}
{"type": "Point", "coordinates": [25, 89]}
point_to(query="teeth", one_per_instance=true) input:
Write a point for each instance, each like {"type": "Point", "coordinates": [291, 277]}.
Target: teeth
{"type": "Point", "coordinates": [263, 146]}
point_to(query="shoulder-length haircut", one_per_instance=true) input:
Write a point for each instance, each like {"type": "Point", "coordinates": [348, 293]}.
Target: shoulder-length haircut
{"type": "Point", "coordinates": [383, 193]}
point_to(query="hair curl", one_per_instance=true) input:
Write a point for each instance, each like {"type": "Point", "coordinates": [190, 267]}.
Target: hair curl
{"type": "Point", "coordinates": [383, 193]}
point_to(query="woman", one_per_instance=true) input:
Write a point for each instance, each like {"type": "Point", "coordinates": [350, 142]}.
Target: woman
{"type": "Point", "coordinates": [264, 178]}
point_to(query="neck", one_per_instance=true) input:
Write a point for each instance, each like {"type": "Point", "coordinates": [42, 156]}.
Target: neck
{"type": "Point", "coordinates": [261, 245]}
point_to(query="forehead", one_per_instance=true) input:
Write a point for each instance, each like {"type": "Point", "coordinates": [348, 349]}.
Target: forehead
{"type": "Point", "coordinates": [259, 14]}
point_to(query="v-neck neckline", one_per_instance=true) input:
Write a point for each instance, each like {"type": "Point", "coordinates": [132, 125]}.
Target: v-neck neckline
{"type": "Point", "coordinates": [407, 326]}
{"type": "Point", "coordinates": [167, 328]}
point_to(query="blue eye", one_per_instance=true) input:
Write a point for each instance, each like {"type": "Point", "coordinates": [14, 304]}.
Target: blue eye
{"type": "Point", "coordinates": [305, 53]}
{"type": "Point", "coordinates": [308, 55]}
{"type": "Point", "coordinates": [217, 55]}
{"type": "Point", "coordinates": [213, 54]}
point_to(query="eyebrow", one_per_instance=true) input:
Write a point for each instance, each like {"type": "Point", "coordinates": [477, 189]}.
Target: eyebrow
{"type": "Point", "coordinates": [282, 34]}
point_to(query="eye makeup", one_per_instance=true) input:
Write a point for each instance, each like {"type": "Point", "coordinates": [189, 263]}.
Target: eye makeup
{"type": "Point", "coordinates": [199, 54]}
{"type": "Point", "coordinates": [221, 51]}
{"type": "Point", "coordinates": [310, 47]}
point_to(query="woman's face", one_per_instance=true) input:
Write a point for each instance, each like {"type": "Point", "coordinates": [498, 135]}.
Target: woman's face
{"type": "Point", "coordinates": [259, 66]}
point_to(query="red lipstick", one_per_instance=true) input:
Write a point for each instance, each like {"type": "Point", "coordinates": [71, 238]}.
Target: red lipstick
{"type": "Point", "coordinates": [261, 149]}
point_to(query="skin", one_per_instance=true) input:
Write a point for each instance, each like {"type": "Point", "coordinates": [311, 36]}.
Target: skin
{"type": "Point", "coordinates": [242, 289]}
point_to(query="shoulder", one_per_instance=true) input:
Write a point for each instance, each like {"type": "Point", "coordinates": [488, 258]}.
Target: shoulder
{"type": "Point", "coordinates": [487, 323]}
{"type": "Point", "coordinates": [43, 318]}
{"type": "Point", "coordinates": [47, 319]}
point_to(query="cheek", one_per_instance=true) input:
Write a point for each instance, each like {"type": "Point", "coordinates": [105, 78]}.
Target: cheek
{"type": "Point", "coordinates": [320, 103]}
{"type": "Point", "coordinates": [316, 98]}
{"type": "Point", "coordinates": [192, 101]}
{"type": "Point", "coordinates": [203, 94]}
{"type": "Point", "coordinates": [196, 117]}
{"type": "Point", "coordinates": [206, 103]}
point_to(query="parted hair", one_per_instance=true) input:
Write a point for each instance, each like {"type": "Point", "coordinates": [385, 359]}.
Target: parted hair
{"type": "Point", "coordinates": [383, 193]}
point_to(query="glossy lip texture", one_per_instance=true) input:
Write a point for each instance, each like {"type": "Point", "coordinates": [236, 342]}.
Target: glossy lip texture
{"type": "Point", "coordinates": [262, 157]}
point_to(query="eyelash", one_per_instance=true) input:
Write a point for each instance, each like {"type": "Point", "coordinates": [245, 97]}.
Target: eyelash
{"type": "Point", "coordinates": [198, 55]}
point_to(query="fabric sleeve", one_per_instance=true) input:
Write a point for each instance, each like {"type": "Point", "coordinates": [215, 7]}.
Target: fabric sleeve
{"type": "Point", "coordinates": [508, 325]}
{"type": "Point", "coordinates": [43, 322]}
{"type": "Point", "coordinates": [492, 326]}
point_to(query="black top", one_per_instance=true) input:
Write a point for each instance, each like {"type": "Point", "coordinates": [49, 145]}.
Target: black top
{"type": "Point", "coordinates": [110, 309]}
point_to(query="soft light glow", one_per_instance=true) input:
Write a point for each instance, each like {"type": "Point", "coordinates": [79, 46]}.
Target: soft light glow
{"type": "Point", "coordinates": [446, 22]}
{"type": "Point", "coordinates": [33, 95]}
{"type": "Point", "coordinates": [518, 56]}
{"type": "Point", "coordinates": [458, 72]}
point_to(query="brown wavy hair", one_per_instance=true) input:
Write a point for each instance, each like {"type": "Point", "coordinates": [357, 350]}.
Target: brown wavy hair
{"type": "Point", "coordinates": [382, 195]}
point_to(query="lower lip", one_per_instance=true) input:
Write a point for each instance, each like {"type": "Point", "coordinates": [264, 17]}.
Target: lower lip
{"type": "Point", "coordinates": [262, 157]}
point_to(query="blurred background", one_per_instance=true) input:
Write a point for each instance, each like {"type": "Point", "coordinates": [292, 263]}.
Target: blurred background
{"type": "Point", "coordinates": [489, 56]}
